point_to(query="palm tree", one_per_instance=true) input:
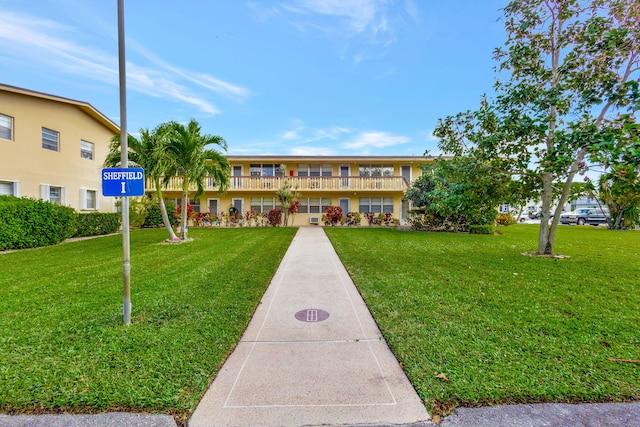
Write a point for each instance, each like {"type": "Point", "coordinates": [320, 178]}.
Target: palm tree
{"type": "Point", "coordinates": [191, 160]}
{"type": "Point", "coordinates": [148, 152]}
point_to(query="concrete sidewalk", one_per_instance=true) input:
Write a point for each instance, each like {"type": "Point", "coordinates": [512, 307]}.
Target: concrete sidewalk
{"type": "Point", "coordinates": [312, 354]}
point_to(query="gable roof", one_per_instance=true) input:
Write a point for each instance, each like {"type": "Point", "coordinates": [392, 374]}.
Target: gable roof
{"type": "Point", "coordinates": [84, 106]}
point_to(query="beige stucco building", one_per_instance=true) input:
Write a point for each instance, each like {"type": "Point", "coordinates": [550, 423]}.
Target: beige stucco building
{"type": "Point", "coordinates": [355, 183]}
{"type": "Point", "coordinates": [52, 148]}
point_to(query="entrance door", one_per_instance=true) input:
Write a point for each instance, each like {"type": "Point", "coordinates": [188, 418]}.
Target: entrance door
{"type": "Point", "coordinates": [344, 204]}
{"type": "Point", "coordinates": [214, 206]}
{"type": "Point", "coordinates": [344, 171]}
{"type": "Point", "coordinates": [236, 180]}
{"type": "Point", "coordinates": [406, 173]}
{"type": "Point", "coordinates": [404, 212]}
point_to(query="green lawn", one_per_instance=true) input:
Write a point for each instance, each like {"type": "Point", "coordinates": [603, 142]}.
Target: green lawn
{"type": "Point", "coordinates": [62, 342]}
{"type": "Point", "coordinates": [502, 327]}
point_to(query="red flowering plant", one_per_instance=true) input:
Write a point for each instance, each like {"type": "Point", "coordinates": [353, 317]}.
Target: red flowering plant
{"type": "Point", "coordinates": [275, 217]}
{"type": "Point", "coordinates": [252, 217]}
{"type": "Point", "coordinates": [333, 216]}
{"type": "Point", "coordinates": [190, 212]}
{"type": "Point", "coordinates": [202, 218]}
{"type": "Point", "coordinates": [371, 218]}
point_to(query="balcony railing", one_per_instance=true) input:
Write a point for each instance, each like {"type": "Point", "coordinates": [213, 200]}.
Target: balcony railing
{"type": "Point", "coordinates": [301, 183]}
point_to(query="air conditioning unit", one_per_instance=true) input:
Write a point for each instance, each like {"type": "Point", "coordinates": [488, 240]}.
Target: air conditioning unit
{"type": "Point", "coordinates": [314, 220]}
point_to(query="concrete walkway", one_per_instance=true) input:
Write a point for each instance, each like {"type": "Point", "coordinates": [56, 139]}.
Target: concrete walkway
{"type": "Point", "coordinates": [312, 354]}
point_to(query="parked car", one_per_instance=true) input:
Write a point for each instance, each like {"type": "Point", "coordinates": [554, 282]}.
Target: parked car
{"type": "Point", "coordinates": [590, 216]}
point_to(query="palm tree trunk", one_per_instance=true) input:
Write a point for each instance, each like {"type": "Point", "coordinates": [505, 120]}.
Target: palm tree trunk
{"type": "Point", "coordinates": [184, 211]}
{"type": "Point", "coordinates": [165, 214]}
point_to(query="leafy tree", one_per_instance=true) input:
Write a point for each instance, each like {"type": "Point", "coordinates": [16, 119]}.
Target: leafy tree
{"type": "Point", "coordinates": [462, 191]}
{"type": "Point", "coordinates": [147, 152]}
{"type": "Point", "coordinates": [190, 160]}
{"type": "Point", "coordinates": [568, 88]}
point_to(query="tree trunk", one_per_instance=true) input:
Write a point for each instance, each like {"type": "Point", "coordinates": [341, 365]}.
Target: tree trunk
{"type": "Point", "coordinates": [184, 212]}
{"type": "Point", "coordinates": [545, 245]}
{"type": "Point", "coordinates": [165, 217]}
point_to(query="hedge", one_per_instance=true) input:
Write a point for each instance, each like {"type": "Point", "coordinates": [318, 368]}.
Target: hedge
{"type": "Point", "coordinates": [29, 223]}
{"type": "Point", "coordinates": [97, 223]}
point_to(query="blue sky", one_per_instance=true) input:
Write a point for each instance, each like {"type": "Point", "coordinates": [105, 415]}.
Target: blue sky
{"type": "Point", "coordinates": [281, 77]}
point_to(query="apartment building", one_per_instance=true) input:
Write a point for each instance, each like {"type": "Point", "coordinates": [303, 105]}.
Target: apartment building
{"type": "Point", "coordinates": [52, 148]}
{"type": "Point", "coordinates": [355, 183]}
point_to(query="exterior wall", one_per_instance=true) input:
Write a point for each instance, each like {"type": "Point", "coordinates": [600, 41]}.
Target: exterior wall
{"type": "Point", "coordinates": [25, 161]}
{"type": "Point", "coordinates": [332, 187]}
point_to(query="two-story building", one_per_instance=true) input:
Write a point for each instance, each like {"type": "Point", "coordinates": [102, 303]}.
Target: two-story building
{"type": "Point", "coordinates": [355, 183]}
{"type": "Point", "coordinates": [52, 148]}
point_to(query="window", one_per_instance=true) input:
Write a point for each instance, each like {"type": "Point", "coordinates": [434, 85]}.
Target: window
{"type": "Point", "coordinates": [6, 127]}
{"type": "Point", "coordinates": [88, 199]}
{"type": "Point", "coordinates": [50, 139]}
{"type": "Point", "coordinates": [195, 204]}
{"type": "Point", "coordinates": [313, 204]}
{"type": "Point", "coordinates": [266, 170]}
{"type": "Point", "coordinates": [214, 206]}
{"type": "Point", "coordinates": [375, 170]}
{"type": "Point", "coordinates": [314, 170]}
{"type": "Point", "coordinates": [263, 204]}
{"type": "Point", "coordinates": [52, 194]}
{"type": "Point", "coordinates": [376, 204]}
{"type": "Point", "coordinates": [9, 188]}
{"type": "Point", "coordinates": [86, 150]}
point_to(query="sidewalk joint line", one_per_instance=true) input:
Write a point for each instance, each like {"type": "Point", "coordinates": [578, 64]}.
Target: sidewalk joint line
{"type": "Point", "coordinates": [355, 340]}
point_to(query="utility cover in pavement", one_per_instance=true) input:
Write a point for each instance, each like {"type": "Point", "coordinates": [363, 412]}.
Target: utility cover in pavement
{"type": "Point", "coordinates": [312, 315]}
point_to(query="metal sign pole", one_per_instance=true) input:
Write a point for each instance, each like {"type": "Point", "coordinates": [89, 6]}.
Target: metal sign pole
{"type": "Point", "coordinates": [124, 160]}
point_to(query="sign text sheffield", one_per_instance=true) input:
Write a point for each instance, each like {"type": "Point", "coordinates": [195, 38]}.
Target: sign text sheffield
{"type": "Point", "coordinates": [123, 182]}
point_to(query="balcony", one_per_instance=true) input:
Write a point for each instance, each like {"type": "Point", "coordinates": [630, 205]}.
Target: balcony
{"type": "Point", "coordinates": [302, 183]}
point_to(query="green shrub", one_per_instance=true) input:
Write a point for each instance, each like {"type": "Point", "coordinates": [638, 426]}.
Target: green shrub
{"type": "Point", "coordinates": [137, 210]}
{"type": "Point", "coordinates": [505, 219]}
{"type": "Point", "coordinates": [481, 229]}
{"type": "Point", "coordinates": [29, 223]}
{"type": "Point", "coordinates": [96, 223]}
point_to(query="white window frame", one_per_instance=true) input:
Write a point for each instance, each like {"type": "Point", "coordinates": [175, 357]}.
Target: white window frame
{"type": "Point", "coordinates": [84, 199]}
{"type": "Point", "coordinates": [372, 203]}
{"type": "Point", "coordinates": [8, 119]}
{"type": "Point", "coordinates": [45, 193]}
{"type": "Point", "coordinates": [369, 169]}
{"type": "Point", "coordinates": [241, 209]}
{"type": "Point", "coordinates": [217, 200]}
{"type": "Point", "coordinates": [15, 186]}
{"type": "Point", "coordinates": [57, 140]}
{"type": "Point", "coordinates": [319, 169]}
{"type": "Point", "coordinates": [305, 204]}
{"type": "Point", "coordinates": [85, 153]}
{"type": "Point", "coordinates": [260, 169]}
{"type": "Point", "coordinates": [270, 202]}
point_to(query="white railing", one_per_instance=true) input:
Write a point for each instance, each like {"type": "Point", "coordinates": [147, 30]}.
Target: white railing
{"type": "Point", "coordinates": [301, 183]}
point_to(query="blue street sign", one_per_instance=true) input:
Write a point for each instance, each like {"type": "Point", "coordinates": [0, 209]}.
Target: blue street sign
{"type": "Point", "coordinates": [123, 182]}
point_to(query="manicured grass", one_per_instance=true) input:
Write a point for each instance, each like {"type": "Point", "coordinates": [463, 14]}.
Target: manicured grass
{"type": "Point", "coordinates": [502, 327]}
{"type": "Point", "coordinates": [62, 342]}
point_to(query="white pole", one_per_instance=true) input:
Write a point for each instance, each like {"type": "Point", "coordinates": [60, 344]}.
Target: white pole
{"type": "Point", "coordinates": [124, 160]}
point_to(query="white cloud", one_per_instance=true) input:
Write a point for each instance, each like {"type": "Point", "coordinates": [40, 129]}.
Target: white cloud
{"type": "Point", "coordinates": [357, 15]}
{"type": "Point", "coordinates": [333, 132]}
{"type": "Point", "coordinates": [311, 151]}
{"type": "Point", "coordinates": [302, 134]}
{"type": "Point", "coordinates": [292, 134]}
{"type": "Point", "coordinates": [52, 46]}
{"type": "Point", "coordinates": [367, 140]}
